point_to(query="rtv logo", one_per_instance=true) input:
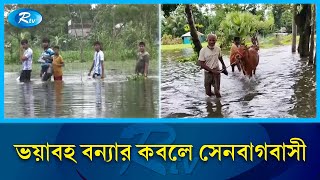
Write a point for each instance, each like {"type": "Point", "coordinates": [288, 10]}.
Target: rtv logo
{"type": "Point", "coordinates": [24, 18]}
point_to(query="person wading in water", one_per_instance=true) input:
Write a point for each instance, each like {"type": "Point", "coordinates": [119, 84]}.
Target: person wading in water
{"type": "Point", "coordinates": [234, 54]}
{"type": "Point", "coordinates": [209, 58]}
{"type": "Point", "coordinates": [142, 60]}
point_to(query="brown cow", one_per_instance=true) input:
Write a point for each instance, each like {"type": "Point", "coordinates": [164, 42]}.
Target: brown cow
{"type": "Point", "coordinates": [249, 59]}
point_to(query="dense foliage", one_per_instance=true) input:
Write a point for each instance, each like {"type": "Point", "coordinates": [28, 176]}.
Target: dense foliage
{"type": "Point", "coordinates": [118, 27]}
{"type": "Point", "coordinates": [227, 20]}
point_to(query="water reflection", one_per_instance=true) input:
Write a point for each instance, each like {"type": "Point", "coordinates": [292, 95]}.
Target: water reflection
{"type": "Point", "coordinates": [214, 111]}
{"type": "Point", "coordinates": [28, 100]}
{"type": "Point", "coordinates": [112, 97]}
{"type": "Point", "coordinates": [58, 88]}
{"type": "Point", "coordinates": [284, 86]}
{"type": "Point", "coordinates": [304, 93]}
{"type": "Point", "coordinates": [47, 98]}
{"type": "Point", "coordinates": [98, 89]}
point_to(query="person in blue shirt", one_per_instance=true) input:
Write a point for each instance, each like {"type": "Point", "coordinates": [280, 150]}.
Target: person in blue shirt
{"type": "Point", "coordinates": [46, 59]}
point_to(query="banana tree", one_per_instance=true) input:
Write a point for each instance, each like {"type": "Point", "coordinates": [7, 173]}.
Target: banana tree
{"type": "Point", "coordinates": [239, 24]}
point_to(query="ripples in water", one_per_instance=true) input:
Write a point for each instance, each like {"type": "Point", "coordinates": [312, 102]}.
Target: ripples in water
{"type": "Point", "coordinates": [82, 97]}
{"type": "Point", "coordinates": [284, 86]}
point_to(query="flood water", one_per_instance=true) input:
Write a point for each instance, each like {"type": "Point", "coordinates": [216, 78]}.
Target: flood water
{"type": "Point", "coordinates": [78, 97]}
{"type": "Point", "coordinates": [284, 86]}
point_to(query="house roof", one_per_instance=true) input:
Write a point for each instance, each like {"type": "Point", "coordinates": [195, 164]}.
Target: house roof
{"type": "Point", "coordinates": [188, 34]}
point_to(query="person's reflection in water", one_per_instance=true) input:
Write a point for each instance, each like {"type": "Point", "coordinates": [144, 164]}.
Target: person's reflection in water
{"type": "Point", "coordinates": [58, 86]}
{"type": "Point", "coordinates": [98, 91]}
{"type": "Point", "coordinates": [28, 104]}
{"type": "Point", "coordinates": [48, 100]}
{"type": "Point", "coordinates": [145, 97]}
{"type": "Point", "coordinates": [148, 98]}
{"type": "Point", "coordinates": [218, 109]}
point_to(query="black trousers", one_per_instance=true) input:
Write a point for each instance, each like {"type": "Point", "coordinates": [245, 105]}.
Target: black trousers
{"type": "Point", "coordinates": [25, 76]}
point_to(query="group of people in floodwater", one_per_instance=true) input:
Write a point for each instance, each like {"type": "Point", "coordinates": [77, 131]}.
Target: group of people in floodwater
{"type": "Point", "coordinates": [246, 59]}
{"type": "Point", "coordinates": [52, 61]}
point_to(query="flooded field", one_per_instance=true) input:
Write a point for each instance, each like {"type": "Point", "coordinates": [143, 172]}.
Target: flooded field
{"type": "Point", "coordinates": [80, 96]}
{"type": "Point", "coordinates": [284, 86]}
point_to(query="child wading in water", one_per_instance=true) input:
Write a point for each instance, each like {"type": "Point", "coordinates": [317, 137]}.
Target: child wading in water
{"type": "Point", "coordinates": [57, 64]}
{"type": "Point", "coordinates": [97, 65]}
{"type": "Point", "coordinates": [143, 60]}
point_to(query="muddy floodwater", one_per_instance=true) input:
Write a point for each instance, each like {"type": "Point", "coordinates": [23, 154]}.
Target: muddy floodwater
{"type": "Point", "coordinates": [284, 86]}
{"type": "Point", "coordinates": [80, 96]}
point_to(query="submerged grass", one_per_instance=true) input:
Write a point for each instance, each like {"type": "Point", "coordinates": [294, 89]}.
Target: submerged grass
{"type": "Point", "coordinates": [135, 77]}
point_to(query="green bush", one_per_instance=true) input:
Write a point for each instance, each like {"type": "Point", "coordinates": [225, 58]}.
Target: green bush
{"type": "Point", "coordinates": [169, 40]}
{"type": "Point", "coordinates": [74, 56]}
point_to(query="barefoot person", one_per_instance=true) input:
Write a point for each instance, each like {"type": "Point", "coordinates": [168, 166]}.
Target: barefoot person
{"type": "Point", "coordinates": [97, 65]}
{"type": "Point", "coordinates": [143, 60]}
{"type": "Point", "coordinates": [57, 64]}
{"type": "Point", "coordinates": [26, 60]}
{"type": "Point", "coordinates": [209, 58]}
{"type": "Point", "coordinates": [234, 54]}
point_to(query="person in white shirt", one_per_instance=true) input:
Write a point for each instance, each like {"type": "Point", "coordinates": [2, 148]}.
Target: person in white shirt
{"type": "Point", "coordinates": [97, 65]}
{"type": "Point", "coordinates": [209, 58]}
{"type": "Point", "coordinates": [26, 60]}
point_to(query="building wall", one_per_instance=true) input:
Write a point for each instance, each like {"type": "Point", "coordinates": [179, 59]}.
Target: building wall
{"type": "Point", "coordinates": [78, 32]}
{"type": "Point", "coordinates": [187, 40]}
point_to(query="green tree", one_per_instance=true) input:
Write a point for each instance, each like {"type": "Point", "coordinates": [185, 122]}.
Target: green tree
{"type": "Point", "coordinates": [116, 26]}
{"type": "Point", "coordinates": [286, 20]}
{"type": "Point", "coordinates": [241, 24]}
{"type": "Point", "coordinates": [278, 10]}
{"type": "Point", "coordinates": [175, 21]}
